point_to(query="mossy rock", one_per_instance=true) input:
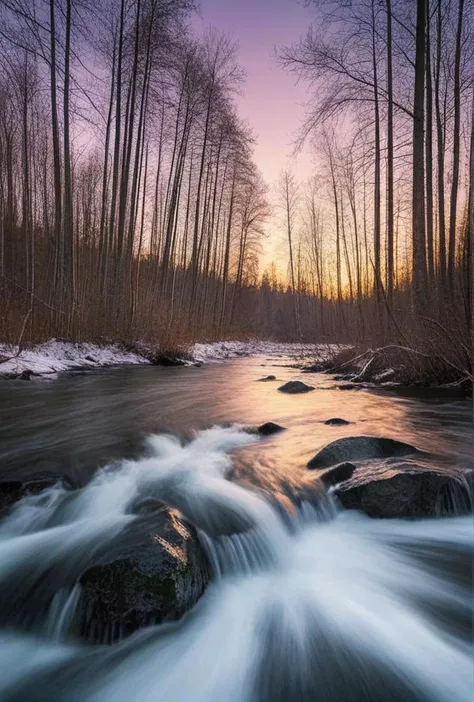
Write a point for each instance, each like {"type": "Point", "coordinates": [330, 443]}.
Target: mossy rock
{"type": "Point", "coordinates": [160, 580]}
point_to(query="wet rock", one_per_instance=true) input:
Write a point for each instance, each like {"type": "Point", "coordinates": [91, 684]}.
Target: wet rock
{"type": "Point", "coordinates": [267, 378]}
{"type": "Point", "coordinates": [358, 448]}
{"type": "Point", "coordinates": [158, 580]}
{"type": "Point", "coordinates": [14, 490]}
{"type": "Point", "coordinates": [209, 513]}
{"type": "Point", "coordinates": [409, 495]}
{"type": "Point", "coordinates": [338, 474]}
{"type": "Point", "coordinates": [10, 492]}
{"type": "Point", "coordinates": [336, 422]}
{"type": "Point", "coordinates": [269, 428]}
{"type": "Point", "coordinates": [294, 387]}
{"type": "Point", "coordinates": [160, 359]}
{"type": "Point", "coordinates": [348, 387]}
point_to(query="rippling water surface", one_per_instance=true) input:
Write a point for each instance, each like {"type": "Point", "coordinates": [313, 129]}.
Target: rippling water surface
{"type": "Point", "coordinates": [318, 605]}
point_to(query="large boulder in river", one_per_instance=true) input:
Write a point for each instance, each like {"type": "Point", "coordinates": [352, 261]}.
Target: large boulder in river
{"type": "Point", "coordinates": [157, 580]}
{"type": "Point", "coordinates": [359, 448]}
{"type": "Point", "coordinates": [295, 387]}
{"type": "Point", "coordinates": [409, 494]}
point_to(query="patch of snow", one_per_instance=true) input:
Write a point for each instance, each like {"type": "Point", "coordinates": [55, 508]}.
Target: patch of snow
{"type": "Point", "coordinates": [222, 350]}
{"type": "Point", "coordinates": [385, 374]}
{"type": "Point", "coordinates": [55, 356]}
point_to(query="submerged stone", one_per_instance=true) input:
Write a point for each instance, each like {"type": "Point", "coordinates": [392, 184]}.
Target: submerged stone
{"type": "Point", "coordinates": [267, 378]}
{"type": "Point", "coordinates": [336, 422]}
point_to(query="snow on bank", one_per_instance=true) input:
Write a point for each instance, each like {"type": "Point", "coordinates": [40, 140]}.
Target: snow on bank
{"type": "Point", "coordinates": [222, 350]}
{"type": "Point", "coordinates": [56, 356]}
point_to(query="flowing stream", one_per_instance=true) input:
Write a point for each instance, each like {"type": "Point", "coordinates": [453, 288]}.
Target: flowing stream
{"type": "Point", "coordinates": [312, 603]}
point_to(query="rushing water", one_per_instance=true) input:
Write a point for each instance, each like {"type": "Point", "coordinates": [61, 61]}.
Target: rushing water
{"type": "Point", "coordinates": [320, 605]}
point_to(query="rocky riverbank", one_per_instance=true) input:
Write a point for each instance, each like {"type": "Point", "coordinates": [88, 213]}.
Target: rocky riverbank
{"type": "Point", "coordinates": [395, 366]}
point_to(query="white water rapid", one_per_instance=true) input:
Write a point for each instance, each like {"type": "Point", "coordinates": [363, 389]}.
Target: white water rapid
{"type": "Point", "coordinates": [319, 605]}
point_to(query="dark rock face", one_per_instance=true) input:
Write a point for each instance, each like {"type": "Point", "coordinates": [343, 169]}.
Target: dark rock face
{"type": "Point", "coordinates": [294, 387]}
{"type": "Point", "coordinates": [160, 359]}
{"type": "Point", "coordinates": [338, 474]}
{"type": "Point", "coordinates": [27, 374]}
{"type": "Point", "coordinates": [336, 422]}
{"type": "Point", "coordinates": [267, 379]}
{"type": "Point", "coordinates": [159, 580]}
{"type": "Point", "coordinates": [269, 428]}
{"type": "Point", "coordinates": [358, 448]}
{"type": "Point", "coordinates": [408, 495]}
{"type": "Point", "coordinates": [14, 490]}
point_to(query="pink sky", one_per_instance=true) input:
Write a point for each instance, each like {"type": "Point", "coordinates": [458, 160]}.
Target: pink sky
{"type": "Point", "coordinates": [272, 101]}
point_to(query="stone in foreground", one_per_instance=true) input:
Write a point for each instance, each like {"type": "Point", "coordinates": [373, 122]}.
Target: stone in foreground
{"type": "Point", "coordinates": [295, 387]}
{"type": "Point", "coordinates": [159, 579]}
{"type": "Point", "coordinates": [359, 448]}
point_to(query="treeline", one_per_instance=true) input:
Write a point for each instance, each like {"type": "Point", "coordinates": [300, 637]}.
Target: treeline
{"type": "Point", "coordinates": [387, 221]}
{"type": "Point", "coordinates": [130, 206]}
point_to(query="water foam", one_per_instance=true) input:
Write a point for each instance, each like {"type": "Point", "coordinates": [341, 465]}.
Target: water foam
{"type": "Point", "coordinates": [336, 608]}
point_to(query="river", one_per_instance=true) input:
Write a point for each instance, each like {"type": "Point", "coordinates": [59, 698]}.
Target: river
{"type": "Point", "coordinates": [324, 605]}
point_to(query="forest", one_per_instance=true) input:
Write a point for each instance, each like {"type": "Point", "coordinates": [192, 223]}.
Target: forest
{"type": "Point", "coordinates": [131, 206]}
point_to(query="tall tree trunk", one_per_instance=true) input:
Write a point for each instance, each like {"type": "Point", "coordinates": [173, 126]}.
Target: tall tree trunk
{"type": "Point", "coordinates": [104, 241]}
{"type": "Point", "coordinates": [429, 154]}
{"type": "Point", "coordinates": [117, 136]}
{"type": "Point", "coordinates": [470, 239]}
{"type": "Point", "coordinates": [390, 255]}
{"type": "Point", "coordinates": [376, 161]}
{"type": "Point", "coordinates": [59, 274]}
{"type": "Point", "coordinates": [440, 156]}
{"type": "Point", "coordinates": [68, 261]}
{"type": "Point", "coordinates": [418, 173]}
{"type": "Point", "coordinates": [456, 148]}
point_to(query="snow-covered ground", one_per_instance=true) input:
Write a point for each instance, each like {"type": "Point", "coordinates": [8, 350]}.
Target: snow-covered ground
{"type": "Point", "coordinates": [221, 350]}
{"type": "Point", "coordinates": [56, 356]}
